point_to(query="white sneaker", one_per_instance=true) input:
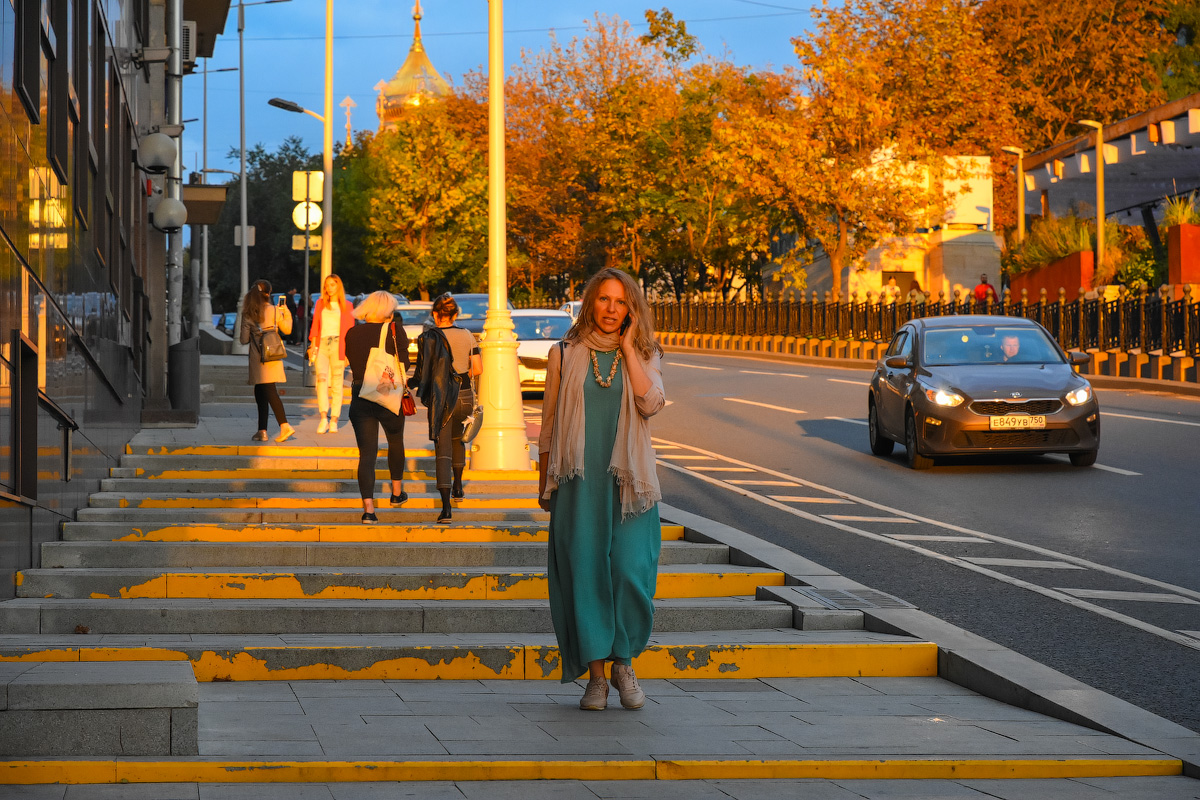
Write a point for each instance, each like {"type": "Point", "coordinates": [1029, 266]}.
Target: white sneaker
{"type": "Point", "coordinates": [323, 425]}
{"type": "Point", "coordinates": [626, 682]}
{"type": "Point", "coordinates": [595, 697]}
{"type": "Point", "coordinates": [332, 425]}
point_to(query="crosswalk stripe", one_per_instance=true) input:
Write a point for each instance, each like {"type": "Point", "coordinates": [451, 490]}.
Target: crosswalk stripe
{"type": "Point", "coordinates": [844, 518]}
{"type": "Point", "coordinates": [764, 405]}
{"type": "Point", "coordinates": [1136, 597]}
{"type": "Point", "coordinates": [1022, 562]}
{"type": "Point", "coordinates": [788, 498]}
{"type": "Point", "coordinates": [933, 537]}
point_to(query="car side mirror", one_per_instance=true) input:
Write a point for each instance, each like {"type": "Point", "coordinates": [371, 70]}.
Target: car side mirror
{"type": "Point", "coordinates": [898, 362]}
{"type": "Point", "coordinates": [1079, 359]}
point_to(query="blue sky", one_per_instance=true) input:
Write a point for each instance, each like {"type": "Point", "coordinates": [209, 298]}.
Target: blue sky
{"type": "Point", "coordinates": [284, 50]}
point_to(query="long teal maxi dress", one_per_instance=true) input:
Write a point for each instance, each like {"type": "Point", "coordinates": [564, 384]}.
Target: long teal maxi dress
{"type": "Point", "coordinates": [602, 571]}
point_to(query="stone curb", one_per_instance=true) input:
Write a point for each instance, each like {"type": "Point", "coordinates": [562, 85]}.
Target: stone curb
{"type": "Point", "coordinates": [1099, 381]}
{"type": "Point", "coordinates": [964, 658]}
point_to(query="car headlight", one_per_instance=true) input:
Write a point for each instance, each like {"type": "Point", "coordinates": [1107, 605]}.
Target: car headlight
{"type": "Point", "coordinates": [1079, 396]}
{"type": "Point", "coordinates": [942, 397]}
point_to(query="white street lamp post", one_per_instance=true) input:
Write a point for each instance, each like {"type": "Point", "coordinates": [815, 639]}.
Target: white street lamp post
{"type": "Point", "coordinates": [205, 312]}
{"type": "Point", "coordinates": [501, 443]}
{"type": "Point", "coordinates": [326, 169]}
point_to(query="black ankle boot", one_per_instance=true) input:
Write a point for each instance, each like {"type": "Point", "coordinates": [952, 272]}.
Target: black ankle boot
{"type": "Point", "coordinates": [456, 491]}
{"type": "Point", "coordinates": [444, 517]}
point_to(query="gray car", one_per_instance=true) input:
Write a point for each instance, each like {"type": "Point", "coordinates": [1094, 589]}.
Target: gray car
{"type": "Point", "coordinates": [980, 385]}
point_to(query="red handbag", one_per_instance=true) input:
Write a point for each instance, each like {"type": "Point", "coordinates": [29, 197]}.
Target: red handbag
{"type": "Point", "coordinates": [408, 406]}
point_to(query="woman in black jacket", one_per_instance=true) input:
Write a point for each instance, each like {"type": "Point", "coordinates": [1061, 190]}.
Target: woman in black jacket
{"type": "Point", "coordinates": [447, 359]}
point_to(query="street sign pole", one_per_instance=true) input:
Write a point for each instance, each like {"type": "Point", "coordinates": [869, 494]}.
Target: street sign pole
{"type": "Point", "coordinates": [305, 301]}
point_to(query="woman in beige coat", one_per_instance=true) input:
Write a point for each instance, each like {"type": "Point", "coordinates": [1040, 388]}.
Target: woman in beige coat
{"type": "Point", "coordinates": [259, 314]}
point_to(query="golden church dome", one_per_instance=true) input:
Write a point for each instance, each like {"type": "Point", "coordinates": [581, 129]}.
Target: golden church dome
{"type": "Point", "coordinates": [415, 82]}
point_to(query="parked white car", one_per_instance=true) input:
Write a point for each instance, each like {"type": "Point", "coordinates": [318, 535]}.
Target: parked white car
{"type": "Point", "coordinates": [572, 308]}
{"type": "Point", "coordinates": [537, 330]}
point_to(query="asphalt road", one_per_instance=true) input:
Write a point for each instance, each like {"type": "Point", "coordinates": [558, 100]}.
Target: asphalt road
{"type": "Point", "coordinates": [1026, 551]}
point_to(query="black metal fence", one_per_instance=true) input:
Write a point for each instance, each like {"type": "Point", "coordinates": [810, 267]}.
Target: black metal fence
{"type": "Point", "coordinates": [1148, 322]}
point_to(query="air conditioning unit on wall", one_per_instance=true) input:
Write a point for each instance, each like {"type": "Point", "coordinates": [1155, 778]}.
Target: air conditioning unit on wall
{"type": "Point", "coordinates": [188, 45]}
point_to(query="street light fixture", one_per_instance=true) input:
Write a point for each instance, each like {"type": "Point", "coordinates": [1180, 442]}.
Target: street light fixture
{"type": "Point", "coordinates": [1020, 154]}
{"type": "Point", "coordinates": [1100, 215]}
{"type": "Point", "coordinates": [326, 167]}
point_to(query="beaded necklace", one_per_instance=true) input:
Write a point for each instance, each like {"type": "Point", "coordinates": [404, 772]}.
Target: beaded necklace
{"type": "Point", "coordinates": [612, 373]}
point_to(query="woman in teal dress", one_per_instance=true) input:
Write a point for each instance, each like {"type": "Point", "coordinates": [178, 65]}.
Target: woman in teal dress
{"type": "Point", "coordinates": [597, 479]}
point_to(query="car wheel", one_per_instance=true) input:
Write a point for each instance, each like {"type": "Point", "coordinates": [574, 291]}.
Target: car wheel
{"type": "Point", "coordinates": [912, 444]}
{"type": "Point", "coordinates": [880, 444]}
{"type": "Point", "coordinates": [1084, 459]}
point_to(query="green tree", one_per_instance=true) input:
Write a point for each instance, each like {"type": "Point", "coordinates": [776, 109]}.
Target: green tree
{"type": "Point", "coordinates": [427, 198]}
{"type": "Point", "coordinates": [269, 211]}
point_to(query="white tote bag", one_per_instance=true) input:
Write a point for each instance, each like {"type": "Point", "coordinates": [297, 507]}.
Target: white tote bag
{"type": "Point", "coordinates": [383, 382]}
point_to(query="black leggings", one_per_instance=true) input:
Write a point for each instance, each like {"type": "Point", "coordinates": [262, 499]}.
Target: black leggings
{"type": "Point", "coordinates": [449, 448]}
{"type": "Point", "coordinates": [366, 417]}
{"type": "Point", "coordinates": [265, 394]}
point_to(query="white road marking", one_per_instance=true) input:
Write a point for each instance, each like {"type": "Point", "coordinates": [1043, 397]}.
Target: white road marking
{"type": "Point", "coordinates": [1053, 594]}
{"type": "Point", "coordinates": [1150, 419]}
{"type": "Point", "coordinates": [791, 498]}
{"type": "Point", "coordinates": [764, 405]}
{"type": "Point", "coordinates": [842, 518]}
{"type": "Point", "coordinates": [1193, 634]}
{"type": "Point", "coordinates": [722, 469]}
{"type": "Point", "coordinates": [922, 537]}
{"type": "Point", "coordinates": [851, 421]}
{"type": "Point", "coordinates": [1022, 562]}
{"type": "Point", "coordinates": [1105, 467]}
{"type": "Point", "coordinates": [686, 458]}
{"type": "Point", "coordinates": [764, 483]}
{"type": "Point", "coordinates": [666, 447]}
{"type": "Point", "coordinates": [842, 380]}
{"type": "Point", "coordinates": [1136, 597]}
{"type": "Point", "coordinates": [777, 374]}
{"type": "Point", "coordinates": [694, 366]}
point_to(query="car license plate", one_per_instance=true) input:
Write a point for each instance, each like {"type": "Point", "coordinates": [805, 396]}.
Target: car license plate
{"type": "Point", "coordinates": [1017, 422]}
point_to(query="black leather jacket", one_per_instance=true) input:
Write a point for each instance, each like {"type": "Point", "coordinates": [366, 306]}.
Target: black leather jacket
{"type": "Point", "coordinates": [434, 378]}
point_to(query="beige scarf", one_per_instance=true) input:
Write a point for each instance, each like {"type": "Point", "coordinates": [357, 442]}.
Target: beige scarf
{"type": "Point", "coordinates": [632, 459]}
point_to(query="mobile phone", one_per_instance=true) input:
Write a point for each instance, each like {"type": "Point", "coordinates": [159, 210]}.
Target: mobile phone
{"type": "Point", "coordinates": [282, 301]}
{"type": "Point", "coordinates": [626, 323]}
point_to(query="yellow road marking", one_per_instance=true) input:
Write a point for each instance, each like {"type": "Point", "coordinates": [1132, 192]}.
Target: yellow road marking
{"type": "Point", "coordinates": [302, 501]}
{"type": "Point", "coordinates": [430, 586]}
{"type": "Point", "coordinates": [519, 662]}
{"type": "Point", "coordinates": [194, 770]}
{"type": "Point", "coordinates": [351, 533]}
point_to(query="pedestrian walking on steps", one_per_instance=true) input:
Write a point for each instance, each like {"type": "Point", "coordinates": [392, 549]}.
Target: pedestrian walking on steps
{"type": "Point", "coordinates": [376, 311]}
{"type": "Point", "coordinates": [333, 317]}
{"type": "Point", "coordinates": [596, 477]}
{"type": "Point", "coordinates": [447, 358]}
{"type": "Point", "coordinates": [259, 314]}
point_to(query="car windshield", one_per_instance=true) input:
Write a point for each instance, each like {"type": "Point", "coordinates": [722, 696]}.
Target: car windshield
{"type": "Point", "coordinates": [988, 344]}
{"type": "Point", "coordinates": [472, 307]}
{"type": "Point", "coordinates": [551, 326]}
{"type": "Point", "coordinates": [413, 316]}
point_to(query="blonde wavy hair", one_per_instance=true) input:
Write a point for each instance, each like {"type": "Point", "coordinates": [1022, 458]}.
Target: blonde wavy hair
{"type": "Point", "coordinates": [378, 306]}
{"type": "Point", "coordinates": [635, 301]}
{"type": "Point", "coordinates": [339, 294]}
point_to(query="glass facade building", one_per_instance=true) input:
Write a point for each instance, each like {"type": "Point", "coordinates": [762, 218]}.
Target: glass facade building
{"type": "Point", "coordinates": [76, 251]}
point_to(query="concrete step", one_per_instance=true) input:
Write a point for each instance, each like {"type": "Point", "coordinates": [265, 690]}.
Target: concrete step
{"type": "Point", "coordinates": [53, 616]}
{"type": "Point", "coordinates": [286, 467]}
{"type": "Point", "coordinates": [384, 583]}
{"type": "Point", "coordinates": [458, 531]}
{"type": "Point", "coordinates": [274, 487]}
{"type": "Point", "coordinates": [286, 450]}
{"type": "Point", "coordinates": [127, 708]}
{"type": "Point", "coordinates": [408, 515]}
{"type": "Point", "coordinates": [298, 500]}
{"type": "Point", "coordinates": [728, 654]}
{"type": "Point", "coordinates": [116, 555]}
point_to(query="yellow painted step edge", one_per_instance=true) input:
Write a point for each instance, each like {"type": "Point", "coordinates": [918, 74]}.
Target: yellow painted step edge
{"type": "Point", "coordinates": [349, 534]}
{"type": "Point", "coordinates": [113, 771]}
{"type": "Point", "coordinates": [528, 662]}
